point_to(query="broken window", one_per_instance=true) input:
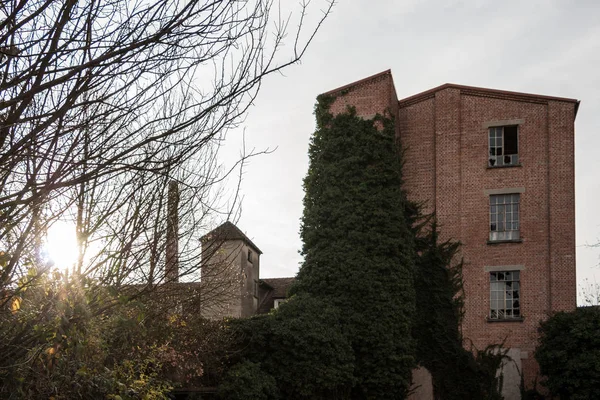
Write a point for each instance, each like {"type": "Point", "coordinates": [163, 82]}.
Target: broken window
{"type": "Point", "coordinates": [505, 302]}
{"type": "Point", "coordinates": [504, 146]}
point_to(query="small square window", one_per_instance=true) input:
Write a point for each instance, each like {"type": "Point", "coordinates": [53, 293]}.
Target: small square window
{"type": "Point", "coordinates": [278, 302]}
{"type": "Point", "coordinates": [504, 217]}
{"type": "Point", "coordinates": [503, 146]}
{"type": "Point", "coordinates": [505, 295]}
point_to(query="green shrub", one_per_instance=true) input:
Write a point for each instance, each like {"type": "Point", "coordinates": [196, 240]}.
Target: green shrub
{"type": "Point", "coordinates": [302, 346]}
{"type": "Point", "coordinates": [569, 353]}
{"type": "Point", "coordinates": [69, 337]}
{"type": "Point", "coordinates": [247, 381]}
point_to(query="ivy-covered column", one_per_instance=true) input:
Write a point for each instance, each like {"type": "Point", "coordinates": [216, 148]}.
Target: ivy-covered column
{"type": "Point", "coordinates": [358, 248]}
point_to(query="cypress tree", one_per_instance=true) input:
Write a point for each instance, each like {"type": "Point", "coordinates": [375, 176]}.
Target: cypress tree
{"type": "Point", "coordinates": [358, 247]}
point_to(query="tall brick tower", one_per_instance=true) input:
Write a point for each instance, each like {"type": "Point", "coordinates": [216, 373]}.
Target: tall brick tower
{"type": "Point", "coordinates": [497, 167]}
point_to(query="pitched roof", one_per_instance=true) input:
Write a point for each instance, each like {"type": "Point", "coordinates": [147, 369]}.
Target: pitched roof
{"type": "Point", "coordinates": [472, 90]}
{"type": "Point", "coordinates": [272, 289]}
{"type": "Point", "coordinates": [228, 231]}
{"type": "Point", "coordinates": [359, 82]}
{"type": "Point", "coordinates": [486, 92]}
{"type": "Point", "coordinates": [279, 286]}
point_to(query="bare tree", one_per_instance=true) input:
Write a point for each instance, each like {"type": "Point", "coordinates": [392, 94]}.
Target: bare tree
{"type": "Point", "coordinates": [102, 103]}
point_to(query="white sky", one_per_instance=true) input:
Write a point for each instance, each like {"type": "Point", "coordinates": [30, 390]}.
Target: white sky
{"type": "Point", "coordinates": [543, 47]}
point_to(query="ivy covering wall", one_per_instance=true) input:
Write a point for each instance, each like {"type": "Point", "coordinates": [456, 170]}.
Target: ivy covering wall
{"type": "Point", "coordinates": [358, 248]}
{"type": "Point", "coordinates": [376, 295]}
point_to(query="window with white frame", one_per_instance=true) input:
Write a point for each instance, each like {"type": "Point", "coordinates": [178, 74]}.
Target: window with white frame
{"type": "Point", "coordinates": [504, 145]}
{"type": "Point", "coordinates": [505, 290]}
{"type": "Point", "coordinates": [504, 217]}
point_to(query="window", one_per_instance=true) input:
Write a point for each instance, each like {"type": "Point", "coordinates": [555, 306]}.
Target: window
{"type": "Point", "coordinates": [505, 295]}
{"type": "Point", "coordinates": [278, 302]}
{"type": "Point", "coordinates": [504, 146]}
{"type": "Point", "coordinates": [250, 256]}
{"type": "Point", "coordinates": [504, 217]}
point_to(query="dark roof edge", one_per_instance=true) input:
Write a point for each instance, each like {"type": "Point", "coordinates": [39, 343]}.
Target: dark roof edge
{"type": "Point", "coordinates": [246, 238]}
{"type": "Point", "coordinates": [262, 282]}
{"type": "Point", "coordinates": [276, 279]}
{"type": "Point", "coordinates": [350, 85]}
{"type": "Point", "coordinates": [238, 231]}
{"type": "Point", "coordinates": [485, 92]}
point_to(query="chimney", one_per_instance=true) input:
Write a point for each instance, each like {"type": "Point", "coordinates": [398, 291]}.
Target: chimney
{"type": "Point", "coordinates": [172, 261]}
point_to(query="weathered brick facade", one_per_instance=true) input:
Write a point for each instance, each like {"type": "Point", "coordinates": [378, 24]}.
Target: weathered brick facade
{"type": "Point", "coordinates": [444, 132]}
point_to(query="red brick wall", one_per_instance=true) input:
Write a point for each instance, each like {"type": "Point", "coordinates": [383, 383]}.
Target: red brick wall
{"type": "Point", "coordinates": [417, 131]}
{"type": "Point", "coordinates": [446, 147]}
{"type": "Point", "coordinates": [448, 166]}
{"type": "Point", "coordinates": [445, 140]}
{"type": "Point", "coordinates": [561, 151]}
{"type": "Point", "coordinates": [374, 95]}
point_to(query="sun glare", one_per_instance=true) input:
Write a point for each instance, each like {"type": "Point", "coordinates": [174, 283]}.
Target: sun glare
{"type": "Point", "coordinates": [61, 245]}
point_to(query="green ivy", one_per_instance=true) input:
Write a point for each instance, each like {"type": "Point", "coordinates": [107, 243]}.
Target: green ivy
{"type": "Point", "coordinates": [358, 248]}
{"type": "Point", "coordinates": [350, 330]}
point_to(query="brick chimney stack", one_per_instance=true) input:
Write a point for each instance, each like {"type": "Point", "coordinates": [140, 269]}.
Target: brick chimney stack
{"type": "Point", "coordinates": [172, 260]}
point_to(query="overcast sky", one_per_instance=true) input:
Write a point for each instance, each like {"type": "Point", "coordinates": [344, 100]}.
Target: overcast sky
{"type": "Point", "coordinates": [543, 47]}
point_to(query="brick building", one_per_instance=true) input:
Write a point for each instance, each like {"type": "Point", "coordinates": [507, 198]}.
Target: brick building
{"type": "Point", "coordinates": [497, 167]}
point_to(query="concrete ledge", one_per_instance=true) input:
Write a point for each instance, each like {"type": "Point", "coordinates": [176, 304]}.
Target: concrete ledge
{"type": "Point", "coordinates": [504, 166]}
{"type": "Point", "coordinates": [493, 320]}
{"type": "Point", "coordinates": [502, 268]}
{"type": "Point", "coordinates": [503, 122]}
{"type": "Point", "coordinates": [492, 242]}
{"type": "Point", "coordinates": [489, 192]}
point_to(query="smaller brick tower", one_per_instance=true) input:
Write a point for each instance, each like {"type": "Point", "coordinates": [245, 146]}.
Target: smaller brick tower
{"type": "Point", "coordinates": [230, 273]}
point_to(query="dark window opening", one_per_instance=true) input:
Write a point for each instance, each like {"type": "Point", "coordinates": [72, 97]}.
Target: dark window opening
{"type": "Point", "coordinates": [504, 145]}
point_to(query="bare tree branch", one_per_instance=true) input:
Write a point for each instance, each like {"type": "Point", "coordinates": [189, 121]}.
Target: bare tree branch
{"type": "Point", "coordinates": [102, 103]}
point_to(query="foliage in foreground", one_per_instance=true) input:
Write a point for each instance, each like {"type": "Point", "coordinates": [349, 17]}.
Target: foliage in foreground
{"type": "Point", "coordinates": [66, 338]}
{"type": "Point", "coordinates": [569, 353]}
{"type": "Point", "coordinates": [302, 347]}
{"type": "Point", "coordinates": [247, 380]}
